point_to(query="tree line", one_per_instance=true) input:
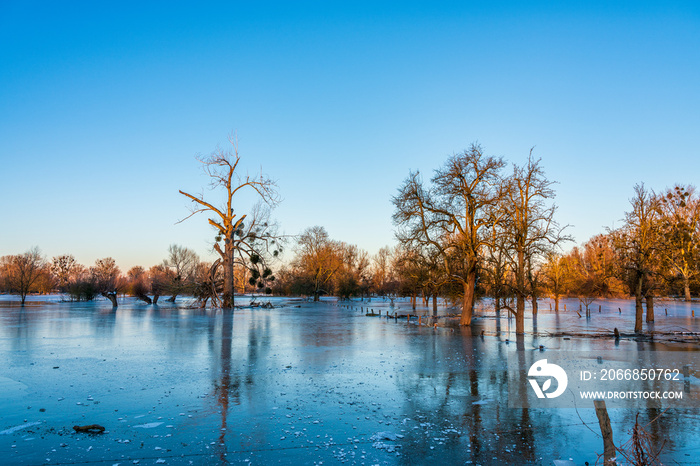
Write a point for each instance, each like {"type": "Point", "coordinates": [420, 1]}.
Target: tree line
{"type": "Point", "coordinates": [478, 227]}
{"type": "Point", "coordinates": [489, 228]}
{"type": "Point", "coordinates": [181, 273]}
{"type": "Point", "coordinates": [31, 272]}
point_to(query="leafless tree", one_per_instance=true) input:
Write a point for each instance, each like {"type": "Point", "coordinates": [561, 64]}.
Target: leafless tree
{"type": "Point", "coordinates": [382, 270]}
{"type": "Point", "coordinates": [529, 227]}
{"type": "Point", "coordinates": [230, 227]}
{"type": "Point", "coordinates": [453, 215]}
{"type": "Point", "coordinates": [496, 271]}
{"type": "Point", "coordinates": [680, 232]}
{"type": "Point", "coordinates": [138, 283]}
{"type": "Point", "coordinates": [638, 245]}
{"type": "Point", "coordinates": [21, 271]}
{"type": "Point", "coordinates": [64, 268]}
{"type": "Point", "coordinates": [554, 274]}
{"type": "Point", "coordinates": [183, 263]}
{"type": "Point", "coordinates": [107, 278]}
{"type": "Point", "coordinates": [319, 258]}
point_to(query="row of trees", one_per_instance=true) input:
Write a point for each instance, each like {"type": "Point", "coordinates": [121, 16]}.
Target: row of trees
{"type": "Point", "coordinates": [30, 272]}
{"type": "Point", "coordinates": [655, 252]}
{"type": "Point", "coordinates": [478, 227]}
{"type": "Point", "coordinates": [325, 266]}
{"type": "Point", "coordinates": [481, 228]}
{"type": "Point", "coordinates": [472, 212]}
{"type": "Point", "coordinates": [181, 273]}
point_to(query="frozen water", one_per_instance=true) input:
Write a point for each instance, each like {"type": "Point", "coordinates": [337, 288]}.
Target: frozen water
{"type": "Point", "coordinates": [12, 430]}
{"type": "Point", "coordinates": [303, 383]}
{"type": "Point", "coordinates": [150, 425]}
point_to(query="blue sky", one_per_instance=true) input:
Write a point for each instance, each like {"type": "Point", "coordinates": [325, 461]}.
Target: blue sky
{"type": "Point", "coordinates": [103, 107]}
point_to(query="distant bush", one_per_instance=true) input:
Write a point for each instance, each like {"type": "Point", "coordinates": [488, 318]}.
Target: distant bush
{"type": "Point", "coordinates": [82, 290]}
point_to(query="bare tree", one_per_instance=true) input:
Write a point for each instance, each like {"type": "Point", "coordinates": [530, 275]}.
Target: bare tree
{"type": "Point", "coordinates": [106, 276]}
{"type": "Point", "coordinates": [680, 232]}
{"type": "Point", "coordinates": [160, 279]}
{"type": "Point", "coordinates": [354, 275]}
{"type": "Point", "coordinates": [496, 271]}
{"type": "Point", "coordinates": [588, 273]}
{"type": "Point", "coordinates": [319, 258]}
{"type": "Point", "coordinates": [453, 215]}
{"type": "Point", "coordinates": [221, 167]}
{"type": "Point", "coordinates": [64, 268]}
{"type": "Point", "coordinates": [138, 283]}
{"type": "Point", "coordinates": [637, 243]}
{"type": "Point", "coordinates": [529, 227]}
{"type": "Point", "coordinates": [382, 270]}
{"type": "Point", "coordinates": [183, 262]}
{"type": "Point", "coordinates": [554, 276]}
{"type": "Point", "coordinates": [22, 271]}
{"type": "Point", "coordinates": [410, 270]}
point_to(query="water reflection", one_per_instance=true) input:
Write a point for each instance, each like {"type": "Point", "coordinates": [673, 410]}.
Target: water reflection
{"type": "Point", "coordinates": [315, 381]}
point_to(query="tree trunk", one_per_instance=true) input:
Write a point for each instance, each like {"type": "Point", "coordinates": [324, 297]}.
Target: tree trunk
{"type": "Point", "coordinates": [112, 296]}
{"type": "Point", "coordinates": [413, 301]}
{"type": "Point", "coordinates": [639, 310]}
{"type": "Point", "coordinates": [468, 300]}
{"type": "Point", "coordinates": [172, 298]}
{"type": "Point", "coordinates": [520, 293]}
{"type": "Point", "coordinates": [606, 431]}
{"type": "Point", "coordinates": [435, 304]}
{"type": "Point", "coordinates": [497, 304]}
{"type": "Point", "coordinates": [317, 296]}
{"type": "Point", "coordinates": [556, 302]}
{"type": "Point", "coordinates": [650, 307]}
{"type": "Point", "coordinates": [534, 305]}
{"type": "Point", "coordinates": [144, 298]}
{"type": "Point", "coordinates": [155, 298]}
{"type": "Point", "coordinates": [686, 288]}
{"type": "Point", "coordinates": [520, 315]}
{"type": "Point", "coordinates": [229, 291]}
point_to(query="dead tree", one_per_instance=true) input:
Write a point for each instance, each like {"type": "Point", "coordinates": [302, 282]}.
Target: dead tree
{"type": "Point", "coordinates": [230, 227]}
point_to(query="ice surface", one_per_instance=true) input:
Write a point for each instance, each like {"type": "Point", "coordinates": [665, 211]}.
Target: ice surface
{"type": "Point", "coordinates": [301, 383]}
{"type": "Point", "coordinates": [12, 430]}
{"type": "Point", "coordinates": [150, 425]}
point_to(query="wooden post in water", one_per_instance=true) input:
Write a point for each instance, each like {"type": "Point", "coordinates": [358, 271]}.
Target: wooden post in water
{"type": "Point", "coordinates": [606, 431]}
{"type": "Point", "coordinates": [419, 321]}
{"type": "Point", "coordinates": [599, 307]}
{"type": "Point", "coordinates": [564, 307]}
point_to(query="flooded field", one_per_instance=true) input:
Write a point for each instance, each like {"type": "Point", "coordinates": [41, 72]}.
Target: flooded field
{"type": "Point", "coordinates": [306, 383]}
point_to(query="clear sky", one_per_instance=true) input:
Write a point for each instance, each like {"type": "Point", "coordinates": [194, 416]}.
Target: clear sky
{"type": "Point", "coordinates": [103, 106]}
